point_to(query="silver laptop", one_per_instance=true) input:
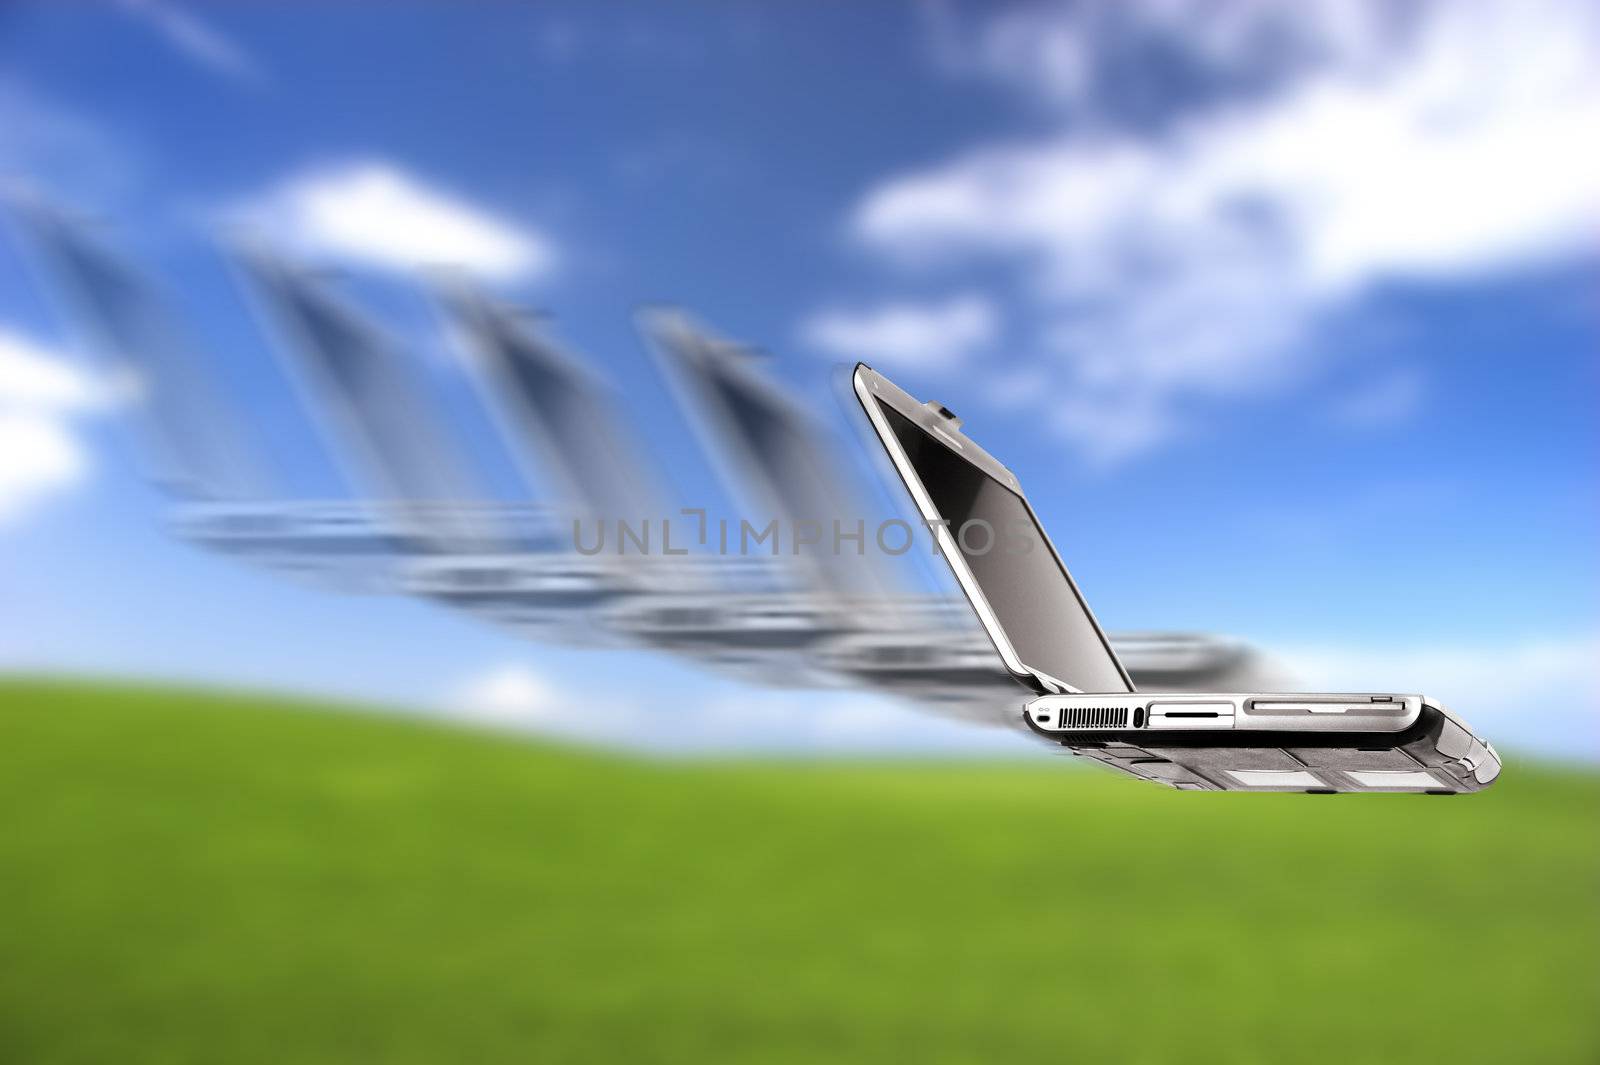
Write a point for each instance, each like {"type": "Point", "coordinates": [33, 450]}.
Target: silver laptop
{"type": "Point", "coordinates": [1048, 639]}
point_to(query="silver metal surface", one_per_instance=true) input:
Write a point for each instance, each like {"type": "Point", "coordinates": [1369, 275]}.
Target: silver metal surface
{"type": "Point", "coordinates": [1205, 711]}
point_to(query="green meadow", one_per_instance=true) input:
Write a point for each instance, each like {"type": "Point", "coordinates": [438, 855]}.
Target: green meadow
{"type": "Point", "coordinates": [189, 876]}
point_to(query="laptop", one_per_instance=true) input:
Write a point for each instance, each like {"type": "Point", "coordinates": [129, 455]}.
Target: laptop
{"type": "Point", "coordinates": [1048, 639]}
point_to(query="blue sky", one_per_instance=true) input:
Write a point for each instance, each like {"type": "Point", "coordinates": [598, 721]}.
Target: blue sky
{"type": "Point", "coordinates": [1286, 317]}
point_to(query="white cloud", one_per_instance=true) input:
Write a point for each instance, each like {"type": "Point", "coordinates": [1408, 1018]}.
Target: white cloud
{"type": "Point", "coordinates": [1077, 56]}
{"type": "Point", "coordinates": [41, 392]}
{"type": "Point", "coordinates": [1107, 434]}
{"type": "Point", "coordinates": [1013, 388]}
{"type": "Point", "coordinates": [1537, 694]}
{"type": "Point", "coordinates": [508, 695]}
{"type": "Point", "coordinates": [374, 213]}
{"type": "Point", "coordinates": [39, 457]}
{"type": "Point", "coordinates": [34, 376]}
{"type": "Point", "coordinates": [1171, 265]}
{"type": "Point", "coordinates": [928, 336]}
{"type": "Point", "coordinates": [197, 40]}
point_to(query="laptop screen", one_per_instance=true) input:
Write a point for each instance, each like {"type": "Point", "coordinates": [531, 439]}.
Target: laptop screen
{"type": "Point", "coordinates": [1030, 594]}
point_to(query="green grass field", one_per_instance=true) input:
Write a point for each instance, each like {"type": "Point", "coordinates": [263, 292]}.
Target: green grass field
{"type": "Point", "coordinates": [190, 877]}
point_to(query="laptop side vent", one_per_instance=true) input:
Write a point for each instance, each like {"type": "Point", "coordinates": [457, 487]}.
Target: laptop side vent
{"type": "Point", "coordinates": [1095, 717]}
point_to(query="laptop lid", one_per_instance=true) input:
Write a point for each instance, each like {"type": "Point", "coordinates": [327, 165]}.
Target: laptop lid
{"type": "Point", "coordinates": [1016, 582]}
